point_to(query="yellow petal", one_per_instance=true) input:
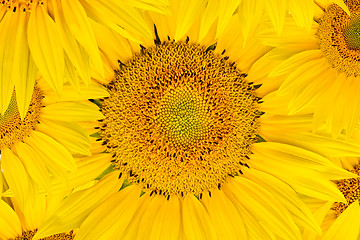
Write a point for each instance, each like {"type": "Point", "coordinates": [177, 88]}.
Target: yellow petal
{"type": "Point", "coordinates": [54, 152]}
{"type": "Point", "coordinates": [111, 218]}
{"type": "Point", "coordinates": [77, 57]}
{"type": "Point", "coordinates": [70, 135]}
{"type": "Point", "coordinates": [79, 25]}
{"type": "Point", "coordinates": [7, 48]}
{"type": "Point", "coordinates": [16, 176]}
{"type": "Point", "coordinates": [71, 112]}
{"type": "Point", "coordinates": [9, 222]}
{"type": "Point", "coordinates": [71, 213]}
{"type": "Point", "coordinates": [295, 61]}
{"type": "Point", "coordinates": [45, 46]}
{"type": "Point", "coordinates": [34, 164]}
{"type": "Point", "coordinates": [286, 195]}
{"type": "Point", "coordinates": [265, 207]}
{"type": "Point", "coordinates": [167, 221]}
{"type": "Point", "coordinates": [250, 12]}
{"type": "Point", "coordinates": [196, 220]}
{"type": "Point", "coordinates": [227, 221]}
{"type": "Point", "coordinates": [24, 70]}
{"type": "Point", "coordinates": [186, 11]}
{"type": "Point", "coordinates": [302, 12]}
{"type": "Point", "coordinates": [93, 91]}
{"type": "Point", "coordinates": [347, 225]}
{"type": "Point", "coordinates": [277, 11]}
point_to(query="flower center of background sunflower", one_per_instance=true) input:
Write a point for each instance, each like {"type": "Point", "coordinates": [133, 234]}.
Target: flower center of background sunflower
{"type": "Point", "coordinates": [22, 5]}
{"type": "Point", "coordinates": [12, 128]}
{"type": "Point", "coordinates": [350, 188]}
{"type": "Point", "coordinates": [352, 33]}
{"type": "Point", "coordinates": [179, 120]}
{"type": "Point", "coordinates": [28, 235]}
{"type": "Point", "coordinates": [339, 36]}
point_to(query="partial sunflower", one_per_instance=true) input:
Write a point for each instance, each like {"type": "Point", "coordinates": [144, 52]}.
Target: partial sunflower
{"type": "Point", "coordinates": [23, 215]}
{"type": "Point", "coordinates": [321, 67]}
{"type": "Point", "coordinates": [56, 38]}
{"type": "Point", "coordinates": [51, 134]}
{"type": "Point", "coordinates": [339, 220]}
{"type": "Point", "coordinates": [185, 128]}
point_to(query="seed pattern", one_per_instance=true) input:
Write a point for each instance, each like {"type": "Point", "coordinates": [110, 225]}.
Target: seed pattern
{"type": "Point", "coordinates": [180, 119]}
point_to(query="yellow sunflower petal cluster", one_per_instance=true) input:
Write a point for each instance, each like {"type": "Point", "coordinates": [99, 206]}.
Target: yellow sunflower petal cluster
{"type": "Point", "coordinates": [179, 119]}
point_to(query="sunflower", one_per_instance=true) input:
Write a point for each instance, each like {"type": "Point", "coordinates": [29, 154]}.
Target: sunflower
{"type": "Point", "coordinates": [203, 156]}
{"type": "Point", "coordinates": [56, 38]}
{"type": "Point", "coordinates": [21, 217]}
{"type": "Point", "coordinates": [339, 220]}
{"type": "Point", "coordinates": [52, 133]}
{"type": "Point", "coordinates": [319, 69]}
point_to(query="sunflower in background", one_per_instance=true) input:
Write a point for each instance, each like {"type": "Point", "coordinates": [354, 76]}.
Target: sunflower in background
{"type": "Point", "coordinates": [199, 154]}
{"type": "Point", "coordinates": [53, 132]}
{"type": "Point", "coordinates": [319, 69]}
{"type": "Point", "coordinates": [55, 38]}
{"type": "Point", "coordinates": [338, 220]}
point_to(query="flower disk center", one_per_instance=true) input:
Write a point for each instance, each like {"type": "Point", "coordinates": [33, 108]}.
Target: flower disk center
{"type": "Point", "coordinates": [352, 33]}
{"type": "Point", "coordinates": [179, 120]}
{"type": "Point", "coordinates": [12, 128]}
{"type": "Point", "coordinates": [183, 116]}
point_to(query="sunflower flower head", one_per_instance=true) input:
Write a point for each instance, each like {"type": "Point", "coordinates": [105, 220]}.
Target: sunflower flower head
{"type": "Point", "coordinates": [180, 119]}
{"type": "Point", "coordinates": [12, 128]}
{"type": "Point", "coordinates": [339, 36]}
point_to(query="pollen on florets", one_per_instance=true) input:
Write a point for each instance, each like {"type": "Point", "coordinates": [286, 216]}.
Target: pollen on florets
{"type": "Point", "coordinates": [180, 119]}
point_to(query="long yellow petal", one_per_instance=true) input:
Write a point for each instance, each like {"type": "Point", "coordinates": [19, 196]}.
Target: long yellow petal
{"type": "Point", "coordinates": [24, 69]}
{"type": "Point", "coordinates": [187, 11]}
{"type": "Point", "coordinates": [34, 164]}
{"type": "Point", "coordinates": [265, 207]}
{"type": "Point", "coordinates": [228, 223]}
{"type": "Point", "coordinates": [111, 218]}
{"type": "Point", "coordinates": [78, 58]}
{"type": "Point", "coordinates": [9, 222]}
{"type": "Point", "coordinates": [71, 213]}
{"type": "Point", "coordinates": [7, 48]}
{"type": "Point", "coordinates": [302, 12]}
{"type": "Point", "coordinates": [277, 11]}
{"type": "Point", "coordinates": [71, 112]}
{"type": "Point", "coordinates": [250, 12]}
{"type": "Point", "coordinates": [286, 195]}
{"type": "Point", "coordinates": [16, 176]}
{"type": "Point", "coordinates": [196, 220]}
{"type": "Point", "coordinates": [54, 152]}
{"type": "Point", "coordinates": [347, 225]}
{"type": "Point", "coordinates": [70, 135]}
{"type": "Point", "coordinates": [46, 48]}
{"type": "Point", "coordinates": [79, 25]}
{"type": "Point", "coordinates": [93, 91]}
{"type": "Point", "coordinates": [167, 222]}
